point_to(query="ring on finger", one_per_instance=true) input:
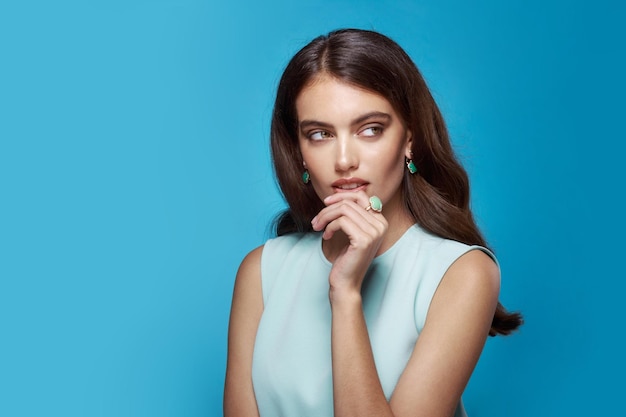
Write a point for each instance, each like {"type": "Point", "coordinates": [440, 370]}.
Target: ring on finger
{"type": "Point", "coordinates": [375, 204]}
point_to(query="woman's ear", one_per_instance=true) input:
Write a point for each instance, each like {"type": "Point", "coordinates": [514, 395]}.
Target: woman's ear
{"type": "Point", "coordinates": [409, 144]}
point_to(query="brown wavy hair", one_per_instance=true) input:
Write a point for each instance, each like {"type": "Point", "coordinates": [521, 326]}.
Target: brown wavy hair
{"type": "Point", "coordinates": [437, 197]}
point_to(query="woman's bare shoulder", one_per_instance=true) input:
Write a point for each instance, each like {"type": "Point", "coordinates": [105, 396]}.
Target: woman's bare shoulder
{"type": "Point", "coordinates": [476, 271]}
{"type": "Point", "coordinates": [251, 263]}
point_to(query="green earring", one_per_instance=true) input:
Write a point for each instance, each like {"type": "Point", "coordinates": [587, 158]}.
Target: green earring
{"type": "Point", "coordinates": [305, 176]}
{"type": "Point", "coordinates": [411, 166]}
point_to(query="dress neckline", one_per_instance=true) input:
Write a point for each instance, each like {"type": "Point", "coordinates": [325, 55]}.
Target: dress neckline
{"type": "Point", "coordinates": [388, 252]}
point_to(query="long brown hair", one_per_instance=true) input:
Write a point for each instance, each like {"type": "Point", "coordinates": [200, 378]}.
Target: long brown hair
{"type": "Point", "coordinates": [437, 197]}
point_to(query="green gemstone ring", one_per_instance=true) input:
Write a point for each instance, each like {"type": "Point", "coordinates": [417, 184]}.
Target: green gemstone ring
{"type": "Point", "coordinates": [375, 204]}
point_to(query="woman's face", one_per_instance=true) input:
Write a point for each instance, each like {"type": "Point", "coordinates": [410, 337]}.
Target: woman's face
{"type": "Point", "coordinates": [351, 139]}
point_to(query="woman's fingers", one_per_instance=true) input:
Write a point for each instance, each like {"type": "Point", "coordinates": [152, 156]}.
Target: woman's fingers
{"type": "Point", "coordinates": [346, 204]}
{"type": "Point", "coordinates": [359, 197]}
{"type": "Point", "coordinates": [360, 232]}
{"type": "Point", "coordinates": [338, 209]}
{"type": "Point", "coordinates": [352, 207]}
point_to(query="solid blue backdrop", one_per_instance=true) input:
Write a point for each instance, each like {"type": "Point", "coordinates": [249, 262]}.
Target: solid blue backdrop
{"type": "Point", "coordinates": [135, 175]}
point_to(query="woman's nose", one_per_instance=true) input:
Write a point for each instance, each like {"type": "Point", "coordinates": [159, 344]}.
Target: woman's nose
{"type": "Point", "coordinates": [347, 155]}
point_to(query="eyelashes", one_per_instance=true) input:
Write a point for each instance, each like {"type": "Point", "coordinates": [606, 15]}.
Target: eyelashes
{"type": "Point", "coordinates": [318, 135]}
{"type": "Point", "coordinates": [371, 131]}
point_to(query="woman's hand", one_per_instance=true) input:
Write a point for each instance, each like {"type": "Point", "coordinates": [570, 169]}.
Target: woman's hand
{"type": "Point", "coordinates": [364, 231]}
{"type": "Point", "coordinates": [353, 236]}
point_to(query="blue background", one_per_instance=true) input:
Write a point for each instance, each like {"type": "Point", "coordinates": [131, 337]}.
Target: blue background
{"type": "Point", "coordinates": [135, 175]}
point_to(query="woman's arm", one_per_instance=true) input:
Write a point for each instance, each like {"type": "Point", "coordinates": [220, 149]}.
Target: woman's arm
{"type": "Point", "coordinates": [444, 356]}
{"type": "Point", "coordinates": [455, 331]}
{"type": "Point", "coordinates": [245, 314]}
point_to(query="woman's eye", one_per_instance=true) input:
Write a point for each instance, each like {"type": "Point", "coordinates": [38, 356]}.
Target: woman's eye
{"type": "Point", "coordinates": [372, 131]}
{"type": "Point", "coordinates": [319, 135]}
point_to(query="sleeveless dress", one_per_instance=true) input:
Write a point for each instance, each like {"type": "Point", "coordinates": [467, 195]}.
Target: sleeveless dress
{"type": "Point", "coordinates": [291, 368]}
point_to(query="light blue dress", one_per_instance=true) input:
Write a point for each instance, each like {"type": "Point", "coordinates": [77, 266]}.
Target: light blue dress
{"type": "Point", "coordinates": [291, 370]}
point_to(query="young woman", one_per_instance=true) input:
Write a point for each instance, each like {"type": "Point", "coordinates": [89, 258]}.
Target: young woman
{"type": "Point", "coordinates": [378, 294]}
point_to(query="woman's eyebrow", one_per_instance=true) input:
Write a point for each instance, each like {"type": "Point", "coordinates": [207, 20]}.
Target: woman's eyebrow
{"type": "Point", "coordinates": [371, 115]}
{"type": "Point", "coordinates": [314, 123]}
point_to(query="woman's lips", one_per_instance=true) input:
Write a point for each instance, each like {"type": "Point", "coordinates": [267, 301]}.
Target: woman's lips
{"type": "Point", "coordinates": [349, 185]}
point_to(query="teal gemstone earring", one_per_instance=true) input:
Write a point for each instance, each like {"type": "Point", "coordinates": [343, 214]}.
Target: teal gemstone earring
{"type": "Point", "coordinates": [305, 176]}
{"type": "Point", "coordinates": [411, 166]}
